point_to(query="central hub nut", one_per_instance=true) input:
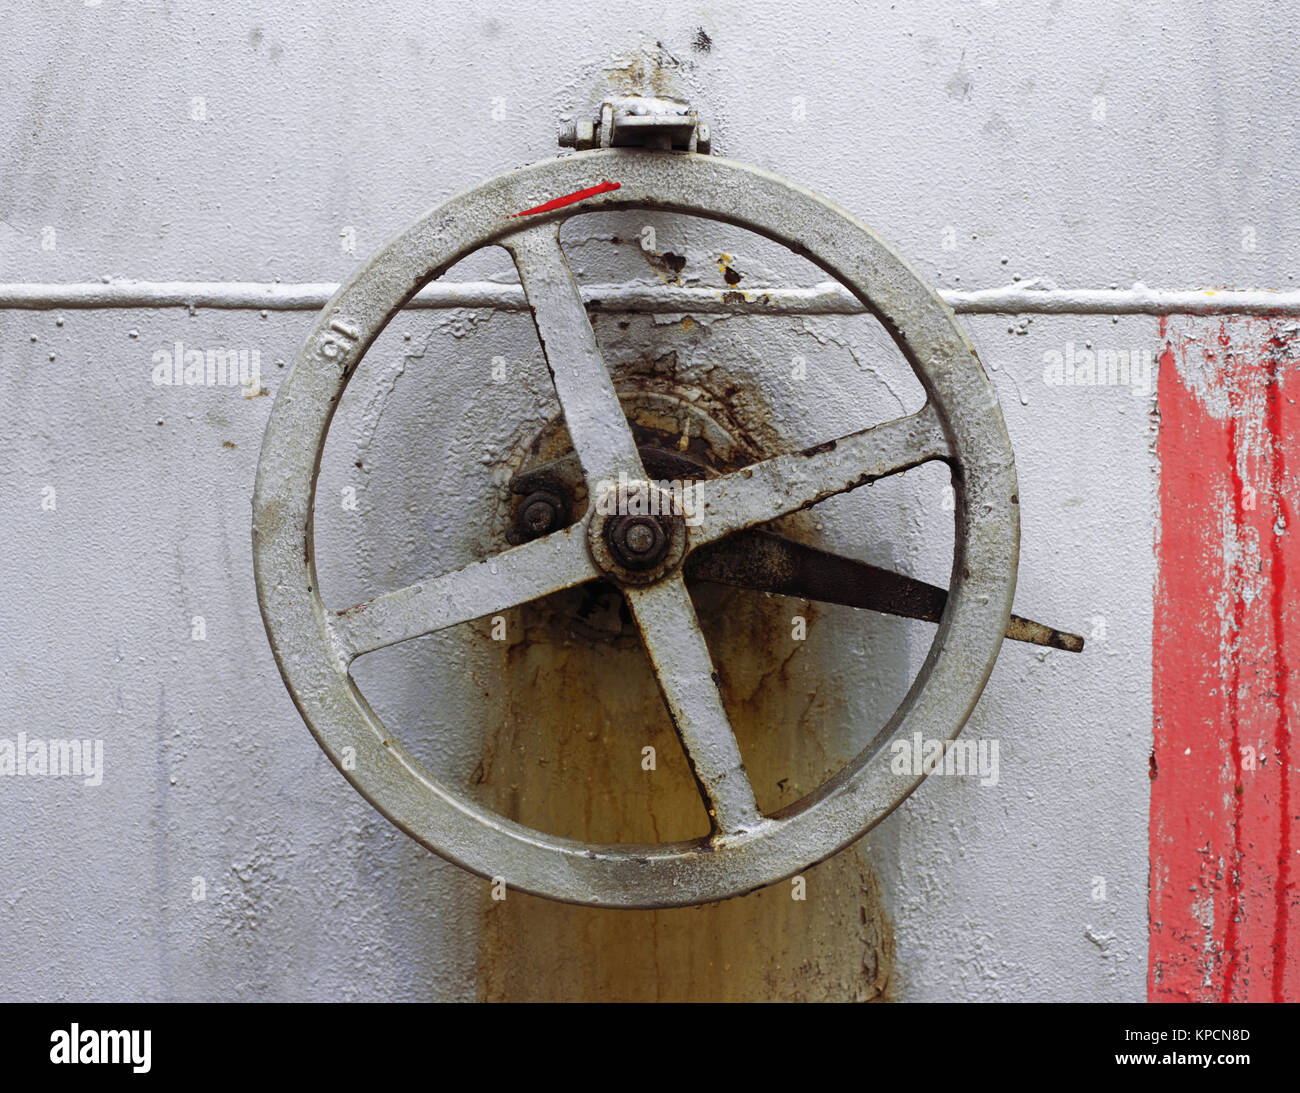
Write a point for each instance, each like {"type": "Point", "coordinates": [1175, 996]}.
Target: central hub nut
{"type": "Point", "coordinates": [637, 533]}
{"type": "Point", "coordinates": [638, 542]}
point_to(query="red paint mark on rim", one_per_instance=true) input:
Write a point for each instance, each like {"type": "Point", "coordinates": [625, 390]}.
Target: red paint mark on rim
{"type": "Point", "coordinates": [569, 199]}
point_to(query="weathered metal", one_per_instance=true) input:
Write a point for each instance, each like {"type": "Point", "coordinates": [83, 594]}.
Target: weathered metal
{"type": "Point", "coordinates": [767, 562]}
{"type": "Point", "coordinates": [960, 425]}
{"type": "Point", "coordinates": [638, 542]}
{"type": "Point", "coordinates": [763, 561]}
{"type": "Point", "coordinates": [608, 527]}
{"type": "Point", "coordinates": [828, 298]}
{"type": "Point", "coordinates": [542, 512]}
{"type": "Point", "coordinates": [640, 121]}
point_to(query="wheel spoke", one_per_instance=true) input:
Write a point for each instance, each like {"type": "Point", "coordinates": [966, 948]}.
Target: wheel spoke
{"type": "Point", "coordinates": [597, 427]}
{"type": "Point", "coordinates": [684, 668]}
{"type": "Point", "coordinates": [495, 584]}
{"type": "Point", "coordinates": [788, 483]}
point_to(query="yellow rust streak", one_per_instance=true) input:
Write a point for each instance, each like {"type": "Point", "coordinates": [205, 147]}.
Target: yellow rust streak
{"type": "Point", "coordinates": [574, 717]}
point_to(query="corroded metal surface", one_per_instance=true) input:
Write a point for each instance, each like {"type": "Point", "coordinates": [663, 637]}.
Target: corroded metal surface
{"type": "Point", "coordinates": [763, 561]}
{"type": "Point", "coordinates": [766, 562]}
{"type": "Point", "coordinates": [960, 424]}
{"type": "Point", "coordinates": [1020, 298]}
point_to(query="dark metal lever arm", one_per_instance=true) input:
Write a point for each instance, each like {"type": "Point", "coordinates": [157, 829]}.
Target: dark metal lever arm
{"type": "Point", "coordinates": [766, 562]}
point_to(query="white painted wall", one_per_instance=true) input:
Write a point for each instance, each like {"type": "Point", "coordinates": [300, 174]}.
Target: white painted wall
{"type": "Point", "coordinates": [1082, 143]}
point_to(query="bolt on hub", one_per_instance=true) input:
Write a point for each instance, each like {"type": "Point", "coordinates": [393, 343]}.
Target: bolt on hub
{"type": "Point", "coordinates": [637, 542]}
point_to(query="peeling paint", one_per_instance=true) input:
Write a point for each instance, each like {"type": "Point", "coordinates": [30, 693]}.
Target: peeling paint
{"type": "Point", "coordinates": [1224, 907]}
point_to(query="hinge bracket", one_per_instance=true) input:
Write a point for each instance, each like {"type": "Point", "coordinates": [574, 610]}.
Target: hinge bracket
{"type": "Point", "coordinates": [640, 121]}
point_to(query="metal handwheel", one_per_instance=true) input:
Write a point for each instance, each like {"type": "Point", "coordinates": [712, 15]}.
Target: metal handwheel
{"type": "Point", "coordinates": [960, 424]}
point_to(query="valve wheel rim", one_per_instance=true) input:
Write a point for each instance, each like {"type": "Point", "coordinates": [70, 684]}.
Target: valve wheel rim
{"type": "Point", "coordinates": [961, 425]}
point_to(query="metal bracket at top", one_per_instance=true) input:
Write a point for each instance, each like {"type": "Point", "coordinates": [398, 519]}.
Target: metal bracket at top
{"type": "Point", "coordinates": [638, 121]}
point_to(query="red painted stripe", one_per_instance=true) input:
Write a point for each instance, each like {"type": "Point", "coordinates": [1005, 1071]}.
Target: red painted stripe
{"type": "Point", "coordinates": [569, 199]}
{"type": "Point", "coordinates": [1224, 904]}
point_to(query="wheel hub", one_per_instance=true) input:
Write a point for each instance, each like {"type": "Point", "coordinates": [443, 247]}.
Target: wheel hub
{"type": "Point", "coordinates": [637, 534]}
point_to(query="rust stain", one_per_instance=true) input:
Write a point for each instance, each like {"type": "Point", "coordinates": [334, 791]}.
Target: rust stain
{"type": "Point", "coordinates": [667, 265]}
{"type": "Point", "coordinates": [568, 759]}
{"type": "Point", "coordinates": [577, 705]}
{"type": "Point", "coordinates": [647, 72]}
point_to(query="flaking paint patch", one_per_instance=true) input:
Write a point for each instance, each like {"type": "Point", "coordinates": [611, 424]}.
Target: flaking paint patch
{"type": "Point", "coordinates": [1223, 902]}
